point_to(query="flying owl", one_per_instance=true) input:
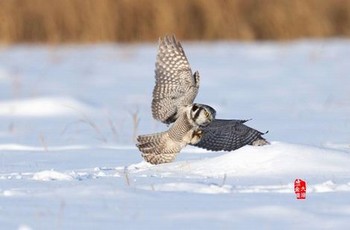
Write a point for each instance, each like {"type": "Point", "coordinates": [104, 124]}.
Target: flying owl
{"type": "Point", "coordinates": [191, 123]}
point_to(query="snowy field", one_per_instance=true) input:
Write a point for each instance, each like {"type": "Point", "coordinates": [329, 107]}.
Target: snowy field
{"type": "Point", "coordinates": [69, 115]}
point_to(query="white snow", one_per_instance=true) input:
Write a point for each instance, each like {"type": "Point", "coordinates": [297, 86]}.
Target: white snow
{"type": "Point", "coordinates": [274, 159]}
{"type": "Point", "coordinates": [69, 115]}
{"type": "Point", "coordinates": [51, 175]}
{"type": "Point", "coordinates": [41, 107]}
{"type": "Point", "coordinates": [18, 147]}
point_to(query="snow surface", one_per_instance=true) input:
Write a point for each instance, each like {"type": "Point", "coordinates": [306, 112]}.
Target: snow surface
{"type": "Point", "coordinates": [68, 118]}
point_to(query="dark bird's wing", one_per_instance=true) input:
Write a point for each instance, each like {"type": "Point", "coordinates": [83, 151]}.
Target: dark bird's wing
{"type": "Point", "coordinates": [229, 135]}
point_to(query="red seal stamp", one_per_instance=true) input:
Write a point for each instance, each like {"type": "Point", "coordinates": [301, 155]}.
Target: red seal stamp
{"type": "Point", "coordinates": [300, 188]}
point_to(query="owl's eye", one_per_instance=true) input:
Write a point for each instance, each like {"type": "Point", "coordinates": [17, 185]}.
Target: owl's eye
{"type": "Point", "coordinates": [194, 108]}
{"type": "Point", "coordinates": [206, 113]}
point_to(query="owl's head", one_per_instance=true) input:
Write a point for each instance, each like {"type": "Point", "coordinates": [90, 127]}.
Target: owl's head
{"type": "Point", "coordinates": [201, 114]}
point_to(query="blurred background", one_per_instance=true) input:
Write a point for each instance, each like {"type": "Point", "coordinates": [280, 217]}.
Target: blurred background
{"type": "Point", "coordinates": [82, 71]}
{"type": "Point", "coordinates": [87, 21]}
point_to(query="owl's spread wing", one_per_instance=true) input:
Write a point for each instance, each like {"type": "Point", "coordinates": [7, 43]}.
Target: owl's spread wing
{"type": "Point", "coordinates": [228, 135]}
{"type": "Point", "coordinates": [175, 86]}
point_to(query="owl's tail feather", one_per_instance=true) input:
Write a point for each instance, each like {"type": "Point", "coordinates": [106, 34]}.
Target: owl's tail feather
{"type": "Point", "coordinates": [154, 148]}
{"type": "Point", "coordinates": [260, 141]}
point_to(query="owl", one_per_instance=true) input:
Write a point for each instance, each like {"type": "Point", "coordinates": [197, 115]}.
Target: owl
{"type": "Point", "coordinates": [191, 123]}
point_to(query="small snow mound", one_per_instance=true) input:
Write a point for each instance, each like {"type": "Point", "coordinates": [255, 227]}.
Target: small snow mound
{"type": "Point", "coordinates": [51, 175]}
{"type": "Point", "coordinates": [337, 146]}
{"type": "Point", "coordinates": [24, 227]}
{"type": "Point", "coordinates": [43, 107]}
{"type": "Point", "coordinates": [19, 147]}
{"type": "Point", "coordinates": [139, 166]}
{"type": "Point", "coordinates": [281, 159]}
{"type": "Point", "coordinates": [327, 186]}
{"type": "Point", "coordinates": [12, 192]}
{"type": "Point", "coordinates": [330, 186]}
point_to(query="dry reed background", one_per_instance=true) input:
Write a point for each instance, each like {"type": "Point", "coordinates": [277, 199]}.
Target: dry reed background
{"type": "Point", "coordinates": [56, 21]}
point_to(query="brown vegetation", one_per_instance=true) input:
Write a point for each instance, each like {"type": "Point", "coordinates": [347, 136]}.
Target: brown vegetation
{"type": "Point", "coordinates": [57, 21]}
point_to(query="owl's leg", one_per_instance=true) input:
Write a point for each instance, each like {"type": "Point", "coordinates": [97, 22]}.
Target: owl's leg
{"type": "Point", "coordinates": [196, 137]}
